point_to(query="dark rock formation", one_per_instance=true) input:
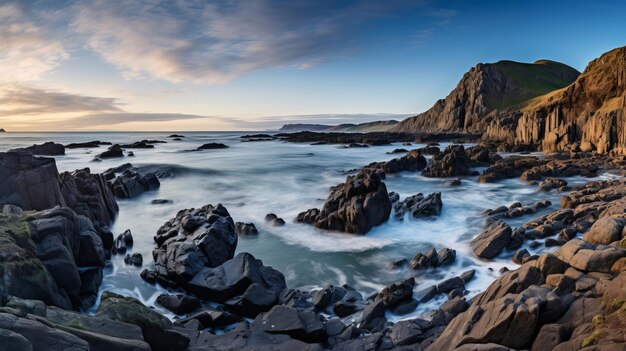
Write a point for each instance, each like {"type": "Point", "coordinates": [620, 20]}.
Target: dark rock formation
{"type": "Point", "coordinates": [412, 161]}
{"type": "Point", "coordinates": [246, 228]}
{"type": "Point", "coordinates": [212, 146]}
{"type": "Point", "coordinates": [419, 206]}
{"type": "Point", "coordinates": [87, 144]}
{"type": "Point", "coordinates": [194, 239]}
{"type": "Point", "coordinates": [452, 162]}
{"type": "Point", "coordinates": [46, 149]}
{"type": "Point", "coordinates": [355, 206]}
{"type": "Point", "coordinates": [114, 151]}
{"type": "Point", "coordinates": [373, 138]}
{"type": "Point", "coordinates": [492, 241]}
{"type": "Point", "coordinates": [274, 220]}
{"type": "Point", "coordinates": [126, 182]}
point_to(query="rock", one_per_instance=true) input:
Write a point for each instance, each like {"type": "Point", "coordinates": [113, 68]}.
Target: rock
{"type": "Point", "coordinates": [161, 201]}
{"type": "Point", "coordinates": [511, 282]}
{"type": "Point", "coordinates": [212, 146]}
{"type": "Point", "coordinates": [425, 260]}
{"type": "Point", "coordinates": [426, 295]}
{"type": "Point", "coordinates": [520, 255]}
{"type": "Point", "coordinates": [414, 160]}
{"type": "Point", "coordinates": [178, 304]}
{"type": "Point", "coordinates": [233, 277]}
{"type": "Point", "coordinates": [275, 220]}
{"type": "Point", "coordinates": [211, 319]}
{"type": "Point", "coordinates": [356, 206]}
{"type": "Point", "coordinates": [86, 145]}
{"type": "Point", "coordinates": [194, 239]}
{"type": "Point", "coordinates": [157, 330]}
{"type": "Point", "coordinates": [550, 335]}
{"type": "Point", "coordinates": [492, 241]}
{"type": "Point", "coordinates": [36, 336]}
{"type": "Point", "coordinates": [46, 149]}
{"type": "Point", "coordinates": [552, 183]}
{"type": "Point", "coordinates": [605, 231]}
{"type": "Point", "coordinates": [446, 256]}
{"type": "Point", "coordinates": [327, 297]}
{"type": "Point", "coordinates": [302, 325]}
{"type": "Point", "coordinates": [373, 318]}
{"type": "Point", "coordinates": [114, 151]}
{"type": "Point", "coordinates": [256, 299]}
{"type": "Point", "coordinates": [123, 242]}
{"type": "Point", "coordinates": [246, 228]}
{"type": "Point", "coordinates": [419, 206]}
{"type": "Point", "coordinates": [295, 298]}
{"type": "Point", "coordinates": [127, 183]}
{"type": "Point", "coordinates": [452, 162]}
{"type": "Point", "coordinates": [135, 259]}
{"type": "Point", "coordinates": [450, 284]}
{"type": "Point", "coordinates": [396, 293]}
{"type": "Point", "coordinates": [408, 332]}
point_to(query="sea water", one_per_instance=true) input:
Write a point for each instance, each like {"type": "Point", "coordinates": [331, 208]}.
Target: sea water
{"type": "Point", "coordinates": [253, 179]}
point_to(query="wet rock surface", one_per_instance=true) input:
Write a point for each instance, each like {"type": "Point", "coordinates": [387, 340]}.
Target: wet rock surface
{"type": "Point", "coordinates": [355, 206]}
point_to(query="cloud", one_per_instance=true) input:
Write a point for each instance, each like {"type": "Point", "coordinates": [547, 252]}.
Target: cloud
{"type": "Point", "coordinates": [26, 49]}
{"type": "Point", "coordinates": [18, 100]}
{"type": "Point", "coordinates": [215, 41]}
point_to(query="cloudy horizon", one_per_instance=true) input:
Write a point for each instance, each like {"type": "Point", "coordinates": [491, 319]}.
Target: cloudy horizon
{"type": "Point", "coordinates": [255, 65]}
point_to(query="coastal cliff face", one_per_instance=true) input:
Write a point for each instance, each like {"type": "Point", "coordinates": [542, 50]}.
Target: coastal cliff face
{"type": "Point", "coordinates": [588, 114]}
{"type": "Point", "coordinates": [487, 88]}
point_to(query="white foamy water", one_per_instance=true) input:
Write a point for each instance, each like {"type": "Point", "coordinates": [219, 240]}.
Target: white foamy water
{"type": "Point", "coordinates": [255, 178]}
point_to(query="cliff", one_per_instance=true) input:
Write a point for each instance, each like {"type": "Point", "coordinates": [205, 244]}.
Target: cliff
{"type": "Point", "coordinates": [587, 115]}
{"type": "Point", "coordinates": [376, 126]}
{"type": "Point", "coordinates": [487, 88]}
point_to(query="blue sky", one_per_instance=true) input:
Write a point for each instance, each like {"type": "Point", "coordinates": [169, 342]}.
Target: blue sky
{"type": "Point", "coordinates": [253, 65]}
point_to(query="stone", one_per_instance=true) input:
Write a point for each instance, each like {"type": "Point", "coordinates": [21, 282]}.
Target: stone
{"type": "Point", "coordinates": [373, 318]}
{"type": "Point", "coordinates": [255, 300]}
{"type": "Point", "coordinates": [605, 231]}
{"type": "Point", "coordinates": [355, 206]}
{"type": "Point", "coordinates": [492, 241]}
{"type": "Point", "coordinates": [395, 293]}
{"type": "Point", "coordinates": [46, 149]}
{"type": "Point", "coordinates": [246, 228]}
{"type": "Point", "coordinates": [135, 259]}
{"type": "Point", "coordinates": [233, 278]}
{"type": "Point", "coordinates": [302, 325]}
{"type": "Point", "coordinates": [178, 304]}
{"type": "Point", "coordinates": [452, 162]}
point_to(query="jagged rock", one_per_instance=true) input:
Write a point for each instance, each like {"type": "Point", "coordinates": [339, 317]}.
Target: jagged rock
{"type": "Point", "coordinates": [194, 239]}
{"type": "Point", "coordinates": [492, 241]}
{"type": "Point", "coordinates": [256, 299]}
{"type": "Point", "coordinates": [412, 161]}
{"type": "Point", "coordinates": [277, 221]}
{"type": "Point", "coordinates": [135, 259]}
{"type": "Point", "coordinates": [355, 206]}
{"type": "Point", "coordinates": [373, 318]}
{"type": "Point", "coordinates": [419, 206]}
{"type": "Point", "coordinates": [126, 182]}
{"type": "Point", "coordinates": [452, 162]}
{"type": "Point", "coordinates": [211, 319]}
{"type": "Point", "coordinates": [233, 278]}
{"type": "Point", "coordinates": [396, 293]}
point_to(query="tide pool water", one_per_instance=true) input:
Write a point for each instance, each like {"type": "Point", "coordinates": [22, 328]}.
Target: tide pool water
{"type": "Point", "coordinates": [255, 178]}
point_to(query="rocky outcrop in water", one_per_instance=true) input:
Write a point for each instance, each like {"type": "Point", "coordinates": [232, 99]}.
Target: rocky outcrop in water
{"type": "Point", "coordinates": [419, 205]}
{"type": "Point", "coordinates": [355, 206]}
{"type": "Point", "coordinates": [46, 149]}
{"type": "Point", "coordinates": [452, 162]}
{"type": "Point", "coordinates": [126, 182]}
{"type": "Point", "coordinates": [411, 162]}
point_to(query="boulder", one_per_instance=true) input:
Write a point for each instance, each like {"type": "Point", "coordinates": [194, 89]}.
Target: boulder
{"type": "Point", "coordinates": [178, 304]}
{"type": "Point", "coordinates": [246, 228]}
{"type": "Point", "coordinates": [605, 231]}
{"type": "Point", "coordinates": [419, 206]}
{"type": "Point", "coordinates": [212, 146]}
{"type": "Point", "coordinates": [114, 151]}
{"type": "Point", "coordinates": [396, 293]}
{"type": "Point", "coordinates": [414, 160]}
{"type": "Point", "coordinates": [452, 162]}
{"type": "Point", "coordinates": [355, 206]}
{"type": "Point", "coordinates": [157, 330]}
{"type": "Point", "coordinates": [256, 299]}
{"type": "Point", "coordinates": [234, 277]}
{"type": "Point", "coordinates": [492, 241]}
{"type": "Point", "coordinates": [302, 325]}
{"type": "Point", "coordinates": [194, 239]}
{"type": "Point", "coordinates": [46, 149]}
{"type": "Point", "coordinates": [373, 318]}
{"type": "Point", "coordinates": [125, 182]}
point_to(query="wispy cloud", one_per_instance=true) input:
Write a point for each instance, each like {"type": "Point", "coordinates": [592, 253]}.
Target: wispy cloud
{"type": "Point", "coordinates": [26, 48]}
{"type": "Point", "coordinates": [18, 100]}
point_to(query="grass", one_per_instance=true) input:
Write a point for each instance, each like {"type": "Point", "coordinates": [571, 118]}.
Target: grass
{"type": "Point", "coordinates": [532, 80]}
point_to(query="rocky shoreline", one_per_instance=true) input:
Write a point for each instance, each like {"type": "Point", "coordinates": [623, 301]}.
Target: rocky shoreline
{"type": "Point", "coordinates": [568, 299]}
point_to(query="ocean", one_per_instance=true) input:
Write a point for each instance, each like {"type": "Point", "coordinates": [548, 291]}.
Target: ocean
{"type": "Point", "coordinates": [253, 179]}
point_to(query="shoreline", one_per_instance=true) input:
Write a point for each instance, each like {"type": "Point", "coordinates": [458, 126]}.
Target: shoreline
{"type": "Point", "coordinates": [396, 295]}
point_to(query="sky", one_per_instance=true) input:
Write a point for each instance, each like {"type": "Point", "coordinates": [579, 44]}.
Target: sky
{"type": "Point", "coordinates": [182, 65]}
